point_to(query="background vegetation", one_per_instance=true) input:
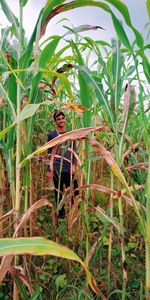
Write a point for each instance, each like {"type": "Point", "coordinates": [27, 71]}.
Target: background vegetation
{"type": "Point", "coordinates": [104, 90]}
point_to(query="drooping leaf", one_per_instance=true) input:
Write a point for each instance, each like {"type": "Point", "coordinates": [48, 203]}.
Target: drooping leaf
{"type": "Point", "coordinates": [122, 8]}
{"type": "Point", "coordinates": [49, 6]}
{"type": "Point", "coordinates": [71, 135]}
{"type": "Point", "coordinates": [118, 173]}
{"type": "Point", "coordinates": [40, 203]}
{"type": "Point", "coordinates": [82, 28]}
{"type": "Point", "coordinates": [6, 216]}
{"type": "Point", "coordinates": [107, 218]}
{"type": "Point", "coordinates": [41, 246]}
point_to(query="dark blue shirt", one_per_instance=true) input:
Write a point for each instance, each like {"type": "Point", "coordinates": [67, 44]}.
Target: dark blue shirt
{"type": "Point", "coordinates": [63, 152]}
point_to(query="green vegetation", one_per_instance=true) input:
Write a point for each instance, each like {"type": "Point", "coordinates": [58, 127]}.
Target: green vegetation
{"type": "Point", "coordinates": [104, 90]}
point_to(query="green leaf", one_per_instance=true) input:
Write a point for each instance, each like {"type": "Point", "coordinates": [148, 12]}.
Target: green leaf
{"type": "Point", "coordinates": [4, 131]}
{"type": "Point", "coordinates": [23, 2]}
{"type": "Point", "coordinates": [21, 288]}
{"type": "Point", "coordinates": [81, 28]}
{"type": "Point", "coordinates": [4, 38]}
{"type": "Point", "coordinates": [50, 4]}
{"type": "Point", "coordinates": [45, 56]}
{"type": "Point", "coordinates": [61, 281]}
{"type": "Point", "coordinates": [48, 51]}
{"type": "Point", "coordinates": [25, 58]}
{"type": "Point", "coordinates": [148, 7]}
{"type": "Point", "coordinates": [85, 72]}
{"type": "Point", "coordinates": [35, 296]}
{"type": "Point", "coordinates": [4, 95]}
{"type": "Point", "coordinates": [28, 111]}
{"type": "Point", "coordinates": [117, 63]}
{"type": "Point", "coordinates": [122, 8]}
{"type": "Point", "coordinates": [121, 32]}
{"type": "Point", "coordinates": [41, 246]}
{"type": "Point", "coordinates": [85, 94]}
{"type": "Point", "coordinates": [11, 17]}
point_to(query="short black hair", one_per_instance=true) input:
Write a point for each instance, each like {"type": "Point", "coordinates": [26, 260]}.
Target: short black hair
{"type": "Point", "coordinates": [58, 113]}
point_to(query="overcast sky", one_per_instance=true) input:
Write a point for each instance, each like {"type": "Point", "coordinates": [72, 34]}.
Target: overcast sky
{"type": "Point", "coordinates": [81, 16]}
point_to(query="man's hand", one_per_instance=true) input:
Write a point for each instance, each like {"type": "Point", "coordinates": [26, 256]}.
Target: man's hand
{"type": "Point", "coordinates": [42, 85]}
{"type": "Point", "coordinates": [49, 174]}
{"type": "Point", "coordinates": [73, 170]}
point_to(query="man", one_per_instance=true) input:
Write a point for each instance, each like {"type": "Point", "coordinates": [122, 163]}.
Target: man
{"type": "Point", "coordinates": [64, 162]}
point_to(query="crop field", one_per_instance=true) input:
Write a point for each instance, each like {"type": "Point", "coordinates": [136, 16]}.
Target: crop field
{"type": "Point", "coordinates": [101, 249]}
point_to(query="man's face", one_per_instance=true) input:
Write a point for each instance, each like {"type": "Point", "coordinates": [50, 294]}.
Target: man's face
{"type": "Point", "coordinates": [60, 121]}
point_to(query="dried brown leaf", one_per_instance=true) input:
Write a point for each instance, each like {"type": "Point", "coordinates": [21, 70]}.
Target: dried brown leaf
{"type": "Point", "coordinates": [6, 261]}
{"type": "Point", "coordinates": [6, 216]}
{"type": "Point", "coordinates": [112, 221]}
{"type": "Point", "coordinates": [73, 214]}
{"type": "Point", "coordinates": [40, 203]}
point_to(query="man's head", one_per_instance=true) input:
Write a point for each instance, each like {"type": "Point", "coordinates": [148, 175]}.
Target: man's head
{"type": "Point", "coordinates": [60, 120]}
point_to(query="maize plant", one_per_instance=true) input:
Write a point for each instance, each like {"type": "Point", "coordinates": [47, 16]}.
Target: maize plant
{"type": "Point", "coordinates": [104, 89]}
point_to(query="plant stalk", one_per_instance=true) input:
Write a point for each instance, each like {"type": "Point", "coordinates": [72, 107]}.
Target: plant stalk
{"type": "Point", "coordinates": [147, 288]}
{"type": "Point", "coordinates": [18, 142]}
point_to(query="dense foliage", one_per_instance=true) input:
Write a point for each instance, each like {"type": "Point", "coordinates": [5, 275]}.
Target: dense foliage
{"type": "Point", "coordinates": [104, 90]}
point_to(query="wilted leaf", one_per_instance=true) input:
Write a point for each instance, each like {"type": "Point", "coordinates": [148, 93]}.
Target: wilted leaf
{"type": "Point", "coordinates": [82, 28]}
{"type": "Point", "coordinates": [76, 107]}
{"type": "Point", "coordinates": [6, 216]}
{"type": "Point", "coordinates": [6, 261]}
{"type": "Point", "coordinates": [71, 135]}
{"type": "Point", "coordinates": [142, 166]}
{"type": "Point", "coordinates": [40, 203]}
{"type": "Point", "coordinates": [126, 102]}
{"type": "Point", "coordinates": [73, 214]}
{"type": "Point", "coordinates": [7, 229]}
{"type": "Point", "coordinates": [107, 218]}
{"type": "Point", "coordinates": [130, 202]}
{"type": "Point", "coordinates": [117, 172]}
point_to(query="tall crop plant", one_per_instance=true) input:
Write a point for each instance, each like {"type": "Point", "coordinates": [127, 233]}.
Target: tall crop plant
{"type": "Point", "coordinates": [106, 85]}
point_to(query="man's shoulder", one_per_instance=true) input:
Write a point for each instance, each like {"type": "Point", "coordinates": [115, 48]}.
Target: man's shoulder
{"type": "Point", "coordinates": [52, 134]}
